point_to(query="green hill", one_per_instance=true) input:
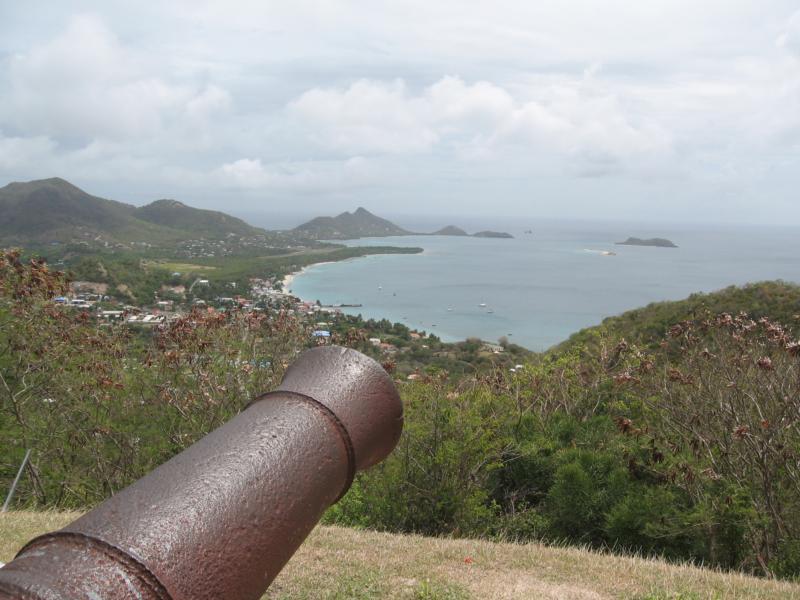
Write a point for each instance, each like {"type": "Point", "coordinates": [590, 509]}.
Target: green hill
{"type": "Point", "coordinates": [648, 325]}
{"type": "Point", "coordinates": [54, 210]}
{"type": "Point", "coordinates": [194, 221]}
{"type": "Point", "coordinates": [360, 223]}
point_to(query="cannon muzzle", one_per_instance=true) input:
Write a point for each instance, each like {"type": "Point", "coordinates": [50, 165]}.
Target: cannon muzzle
{"type": "Point", "coordinates": [221, 519]}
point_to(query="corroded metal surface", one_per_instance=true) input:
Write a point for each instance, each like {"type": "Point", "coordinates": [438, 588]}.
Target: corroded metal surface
{"type": "Point", "coordinates": [222, 518]}
{"type": "Point", "coordinates": [333, 376]}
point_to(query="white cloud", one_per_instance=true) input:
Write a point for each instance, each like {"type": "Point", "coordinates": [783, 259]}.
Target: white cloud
{"type": "Point", "coordinates": [248, 173]}
{"type": "Point", "coordinates": [85, 84]}
{"type": "Point", "coordinates": [212, 100]}
{"type": "Point", "coordinates": [368, 116]}
{"type": "Point", "coordinates": [442, 103]}
{"type": "Point", "coordinates": [789, 38]}
{"type": "Point", "coordinates": [479, 119]}
{"type": "Point", "coordinates": [19, 153]}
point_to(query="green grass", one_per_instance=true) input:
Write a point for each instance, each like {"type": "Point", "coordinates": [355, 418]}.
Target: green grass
{"type": "Point", "coordinates": [176, 266]}
{"type": "Point", "coordinates": [337, 563]}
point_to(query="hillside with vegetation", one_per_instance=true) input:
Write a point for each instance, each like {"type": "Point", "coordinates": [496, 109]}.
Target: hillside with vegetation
{"type": "Point", "coordinates": [681, 442]}
{"type": "Point", "coordinates": [648, 325]}
{"type": "Point", "coordinates": [55, 210]}
{"type": "Point", "coordinates": [194, 221]}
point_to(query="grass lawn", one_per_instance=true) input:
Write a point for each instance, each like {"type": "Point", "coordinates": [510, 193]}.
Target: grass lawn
{"type": "Point", "coordinates": [339, 563]}
{"type": "Point", "coordinates": [176, 266]}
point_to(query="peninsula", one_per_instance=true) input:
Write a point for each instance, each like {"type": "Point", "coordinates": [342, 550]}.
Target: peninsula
{"type": "Point", "coordinates": [362, 223]}
{"type": "Point", "coordinates": [656, 242]}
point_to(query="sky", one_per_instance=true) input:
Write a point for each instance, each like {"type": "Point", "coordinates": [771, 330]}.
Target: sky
{"type": "Point", "coordinates": [658, 111]}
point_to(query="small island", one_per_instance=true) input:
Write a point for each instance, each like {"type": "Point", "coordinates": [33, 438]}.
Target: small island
{"type": "Point", "coordinates": [457, 231]}
{"type": "Point", "coordinates": [493, 234]}
{"type": "Point", "coordinates": [656, 242]}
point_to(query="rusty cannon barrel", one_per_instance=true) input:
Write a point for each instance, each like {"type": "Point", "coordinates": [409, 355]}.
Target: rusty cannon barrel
{"type": "Point", "coordinates": [221, 519]}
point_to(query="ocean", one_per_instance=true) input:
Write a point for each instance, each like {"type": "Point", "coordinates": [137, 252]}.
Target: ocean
{"type": "Point", "coordinates": [540, 287]}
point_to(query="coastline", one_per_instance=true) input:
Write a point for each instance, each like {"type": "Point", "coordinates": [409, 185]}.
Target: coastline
{"type": "Point", "coordinates": [543, 290]}
{"type": "Point", "coordinates": [287, 280]}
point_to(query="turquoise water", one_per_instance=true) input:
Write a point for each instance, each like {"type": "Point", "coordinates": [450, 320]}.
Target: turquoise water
{"type": "Point", "coordinates": [539, 288]}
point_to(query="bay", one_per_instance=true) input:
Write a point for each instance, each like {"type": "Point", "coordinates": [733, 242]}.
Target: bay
{"type": "Point", "coordinates": [540, 287]}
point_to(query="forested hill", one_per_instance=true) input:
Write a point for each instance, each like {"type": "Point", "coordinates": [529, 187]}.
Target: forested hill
{"type": "Point", "coordinates": [54, 210]}
{"type": "Point", "coordinates": [198, 222]}
{"type": "Point", "coordinates": [778, 300]}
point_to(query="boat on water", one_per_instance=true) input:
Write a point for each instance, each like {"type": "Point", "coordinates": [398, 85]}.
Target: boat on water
{"type": "Point", "coordinates": [482, 304]}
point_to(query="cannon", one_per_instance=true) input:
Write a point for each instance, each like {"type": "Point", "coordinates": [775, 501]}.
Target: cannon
{"type": "Point", "coordinates": [221, 519]}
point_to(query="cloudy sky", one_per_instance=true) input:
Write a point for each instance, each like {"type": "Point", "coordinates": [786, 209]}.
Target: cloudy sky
{"type": "Point", "coordinates": [651, 110]}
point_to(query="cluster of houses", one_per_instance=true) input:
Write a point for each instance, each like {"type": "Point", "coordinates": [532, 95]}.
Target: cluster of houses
{"type": "Point", "coordinates": [204, 248]}
{"type": "Point", "coordinates": [91, 296]}
{"type": "Point", "coordinates": [87, 296]}
{"type": "Point", "coordinates": [385, 347]}
{"type": "Point", "coordinates": [84, 295]}
{"type": "Point", "coordinates": [232, 244]}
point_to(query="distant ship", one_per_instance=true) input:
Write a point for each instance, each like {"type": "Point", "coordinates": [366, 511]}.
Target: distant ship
{"type": "Point", "coordinates": [482, 304]}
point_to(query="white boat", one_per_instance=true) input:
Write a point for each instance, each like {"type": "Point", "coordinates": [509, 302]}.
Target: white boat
{"type": "Point", "coordinates": [482, 304]}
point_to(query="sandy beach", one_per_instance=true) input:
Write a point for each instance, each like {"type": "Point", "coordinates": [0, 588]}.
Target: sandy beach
{"type": "Point", "coordinates": [287, 280]}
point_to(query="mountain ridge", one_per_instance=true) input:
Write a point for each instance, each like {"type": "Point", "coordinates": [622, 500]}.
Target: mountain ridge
{"type": "Point", "coordinates": [55, 210]}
